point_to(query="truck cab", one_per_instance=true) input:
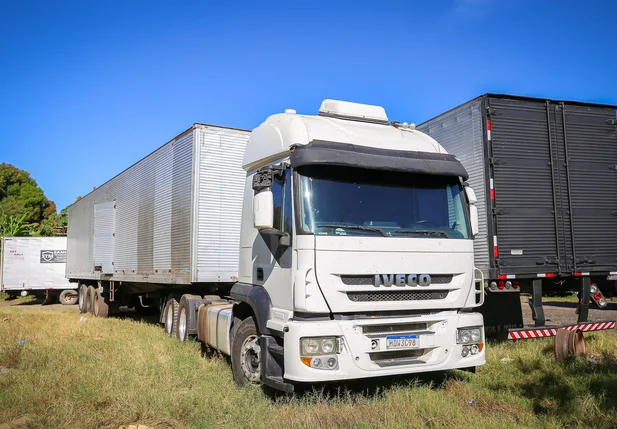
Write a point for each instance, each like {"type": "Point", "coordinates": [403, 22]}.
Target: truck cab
{"type": "Point", "coordinates": [356, 252]}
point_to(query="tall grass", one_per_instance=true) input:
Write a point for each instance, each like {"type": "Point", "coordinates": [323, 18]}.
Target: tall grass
{"type": "Point", "coordinates": [112, 372]}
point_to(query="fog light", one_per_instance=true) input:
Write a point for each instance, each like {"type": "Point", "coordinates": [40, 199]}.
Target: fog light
{"type": "Point", "coordinates": [475, 349]}
{"type": "Point", "coordinates": [316, 362]}
{"type": "Point", "coordinates": [465, 351]}
{"type": "Point", "coordinates": [332, 362]}
{"type": "Point", "coordinates": [374, 344]}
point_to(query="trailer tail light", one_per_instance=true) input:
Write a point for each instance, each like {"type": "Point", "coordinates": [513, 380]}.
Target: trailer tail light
{"type": "Point", "coordinates": [501, 285]}
{"type": "Point", "coordinates": [516, 284]}
{"type": "Point", "coordinates": [597, 296]}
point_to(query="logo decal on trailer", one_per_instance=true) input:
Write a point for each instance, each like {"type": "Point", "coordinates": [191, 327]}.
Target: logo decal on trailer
{"type": "Point", "coordinates": [53, 256]}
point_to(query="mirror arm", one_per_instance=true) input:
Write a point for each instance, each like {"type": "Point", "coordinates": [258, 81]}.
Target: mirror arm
{"type": "Point", "coordinates": [284, 237]}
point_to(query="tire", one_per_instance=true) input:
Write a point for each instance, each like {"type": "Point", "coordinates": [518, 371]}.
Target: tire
{"type": "Point", "coordinates": [171, 315]}
{"type": "Point", "coordinates": [82, 298]}
{"type": "Point", "coordinates": [245, 353]}
{"type": "Point", "coordinates": [182, 322]}
{"type": "Point", "coordinates": [68, 297]}
{"type": "Point", "coordinates": [90, 294]}
{"type": "Point", "coordinates": [100, 307]}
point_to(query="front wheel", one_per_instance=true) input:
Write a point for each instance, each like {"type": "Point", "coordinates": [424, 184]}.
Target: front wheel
{"type": "Point", "coordinates": [246, 353]}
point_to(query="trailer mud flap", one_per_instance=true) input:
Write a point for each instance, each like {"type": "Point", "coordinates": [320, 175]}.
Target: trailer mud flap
{"type": "Point", "coordinates": [501, 312]}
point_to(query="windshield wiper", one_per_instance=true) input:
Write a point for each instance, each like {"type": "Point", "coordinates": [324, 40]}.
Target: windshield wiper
{"type": "Point", "coordinates": [422, 231]}
{"type": "Point", "coordinates": [360, 227]}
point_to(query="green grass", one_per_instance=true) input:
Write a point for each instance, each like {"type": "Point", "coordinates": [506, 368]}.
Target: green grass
{"type": "Point", "coordinates": [109, 372]}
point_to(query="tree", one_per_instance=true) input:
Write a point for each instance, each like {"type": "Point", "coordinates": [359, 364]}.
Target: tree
{"type": "Point", "coordinates": [21, 198]}
{"type": "Point", "coordinates": [15, 226]}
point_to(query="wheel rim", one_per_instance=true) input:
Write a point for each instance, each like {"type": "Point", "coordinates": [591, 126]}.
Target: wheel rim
{"type": "Point", "coordinates": [182, 324]}
{"type": "Point", "coordinates": [250, 359]}
{"type": "Point", "coordinates": [169, 316]}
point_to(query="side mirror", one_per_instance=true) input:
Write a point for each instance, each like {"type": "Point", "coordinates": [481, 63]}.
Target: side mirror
{"type": "Point", "coordinates": [473, 210]}
{"type": "Point", "coordinates": [263, 210]}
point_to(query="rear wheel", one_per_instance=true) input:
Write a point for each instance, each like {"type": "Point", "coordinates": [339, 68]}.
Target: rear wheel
{"type": "Point", "coordinates": [90, 294]}
{"type": "Point", "coordinates": [101, 308]}
{"type": "Point", "coordinates": [82, 298]}
{"type": "Point", "coordinates": [68, 297]}
{"type": "Point", "coordinates": [246, 353]}
{"type": "Point", "coordinates": [171, 315]}
{"type": "Point", "coordinates": [182, 323]}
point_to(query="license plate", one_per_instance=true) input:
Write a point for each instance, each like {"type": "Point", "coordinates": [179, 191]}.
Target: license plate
{"type": "Point", "coordinates": [402, 342]}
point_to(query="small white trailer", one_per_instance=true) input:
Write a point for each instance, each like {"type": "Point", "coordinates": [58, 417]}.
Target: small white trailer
{"type": "Point", "coordinates": [36, 265]}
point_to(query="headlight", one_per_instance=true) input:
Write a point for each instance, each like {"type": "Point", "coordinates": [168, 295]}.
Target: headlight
{"type": "Point", "coordinates": [319, 346]}
{"type": "Point", "coordinates": [472, 334]}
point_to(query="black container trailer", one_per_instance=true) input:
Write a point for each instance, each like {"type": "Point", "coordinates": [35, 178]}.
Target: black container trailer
{"type": "Point", "coordinates": [545, 173]}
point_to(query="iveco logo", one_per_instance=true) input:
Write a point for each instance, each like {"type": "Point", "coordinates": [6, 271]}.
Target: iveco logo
{"type": "Point", "coordinates": [402, 280]}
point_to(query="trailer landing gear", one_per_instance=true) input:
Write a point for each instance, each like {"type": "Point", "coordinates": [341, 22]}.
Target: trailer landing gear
{"type": "Point", "coordinates": [535, 302]}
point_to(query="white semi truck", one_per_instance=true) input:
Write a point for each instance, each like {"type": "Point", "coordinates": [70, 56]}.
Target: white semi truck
{"type": "Point", "coordinates": [314, 249]}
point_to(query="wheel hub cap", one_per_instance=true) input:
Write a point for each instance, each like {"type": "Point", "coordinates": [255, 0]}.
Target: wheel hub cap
{"type": "Point", "coordinates": [250, 359]}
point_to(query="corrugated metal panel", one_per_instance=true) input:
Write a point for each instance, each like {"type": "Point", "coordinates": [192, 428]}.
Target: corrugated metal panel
{"type": "Point", "coordinates": [104, 241]}
{"type": "Point", "coordinates": [591, 136]}
{"type": "Point", "coordinates": [220, 198]}
{"type": "Point", "coordinates": [460, 132]}
{"type": "Point", "coordinates": [153, 219]}
{"type": "Point", "coordinates": [524, 198]}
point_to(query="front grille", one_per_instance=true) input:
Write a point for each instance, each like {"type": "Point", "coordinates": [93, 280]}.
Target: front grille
{"type": "Point", "coordinates": [393, 329]}
{"type": "Point", "coordinates": [395, 358]}
{"type": "Point", "coordinates": [436, 279]}
{"type": "Point", "coordinates": [396, 296]}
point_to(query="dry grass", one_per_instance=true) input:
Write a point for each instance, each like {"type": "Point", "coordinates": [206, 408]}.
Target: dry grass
{"type": "Point", "coordinates": [112, 372]}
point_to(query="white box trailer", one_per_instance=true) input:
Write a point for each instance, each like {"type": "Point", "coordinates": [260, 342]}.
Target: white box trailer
{"type": "Point", "coordinates": [172, 220]}
{"type": "Point", "coordinates": [35, 265]}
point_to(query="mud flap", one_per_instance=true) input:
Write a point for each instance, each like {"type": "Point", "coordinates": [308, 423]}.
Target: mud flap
{"type": "Point", "coordinates": [501, 311]}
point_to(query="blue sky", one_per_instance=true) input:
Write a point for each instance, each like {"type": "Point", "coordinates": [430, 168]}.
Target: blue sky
{"type": "Point", "coordinates": [89, 87]}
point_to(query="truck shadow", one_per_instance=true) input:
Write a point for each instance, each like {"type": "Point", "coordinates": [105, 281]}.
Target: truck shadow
{"type": "Point", "coordinates": [553, 393]}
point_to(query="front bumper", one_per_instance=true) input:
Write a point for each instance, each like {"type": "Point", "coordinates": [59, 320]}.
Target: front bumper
{"type": "Point", "coordinates": [437, 351]}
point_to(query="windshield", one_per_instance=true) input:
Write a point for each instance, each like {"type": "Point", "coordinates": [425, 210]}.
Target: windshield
{"type": "Point", "coordinates": [352, 201]}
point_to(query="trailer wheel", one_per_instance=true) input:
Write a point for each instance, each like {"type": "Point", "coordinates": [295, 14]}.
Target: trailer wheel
{"type": "Point", "coordinates": [68, 297]}
{"type": "Point", "coordinates": [182, 322]}
{"type": "Point", "coordinates": [101, 308]}
{"type": "Point", "coordinates": [245, 353]}
{"type": "Point", "coordinates": [90, 294]}
{"type": "Point", "coordinates": [82, 298]}
{"type": "Point", "coordinates": [171, 315]}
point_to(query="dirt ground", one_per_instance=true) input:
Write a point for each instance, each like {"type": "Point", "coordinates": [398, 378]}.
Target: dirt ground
{"type": "Point", "coordinates": [559, 313]}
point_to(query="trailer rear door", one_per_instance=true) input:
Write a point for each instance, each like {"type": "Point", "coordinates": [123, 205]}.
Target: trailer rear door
{"type": "Point", "coordinates": [526, 202]}
{"type": "Point", "coordinates": [554, 167]}
{"type": "Point", "coordinates": [591, 141]}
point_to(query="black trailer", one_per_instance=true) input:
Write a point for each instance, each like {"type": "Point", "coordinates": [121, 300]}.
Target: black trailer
{"type": "Point", "coordinates": [545, 173]}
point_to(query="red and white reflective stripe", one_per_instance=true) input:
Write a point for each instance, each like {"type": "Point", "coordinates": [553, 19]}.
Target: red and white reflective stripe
{"type": "Point", "coordinates": [495, 247]}
{"type": "Point", "coordinates": [506, 276]}
{"type": "Point", "coordinates": [492, 189]}
{"type": "Point", "coordinates": [613, 273]}
{"type": "Point", "coordinates": [580, 274]}
{"type": "Point", "coordinates": [488, 129]}
{"type": "Point", "coordinates": [551, 332]}
{"type": "Point", "coordinates": [542, 275]}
